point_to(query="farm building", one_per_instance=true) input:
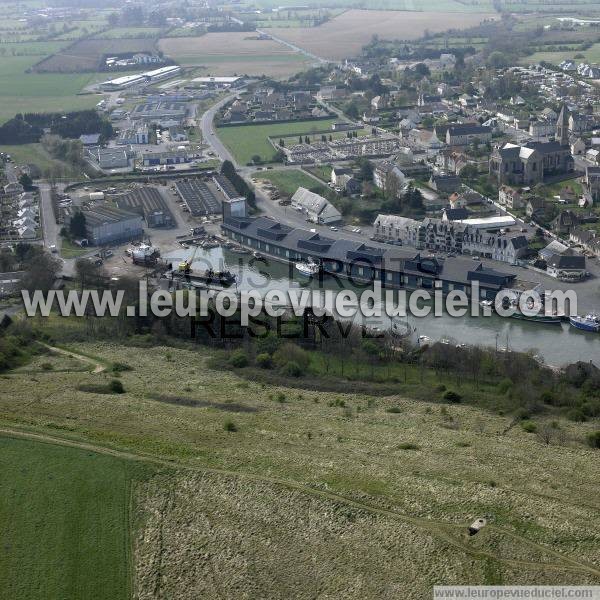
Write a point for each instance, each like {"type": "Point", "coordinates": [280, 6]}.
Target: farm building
{"type": "Point", "coordinates": [148, 203]}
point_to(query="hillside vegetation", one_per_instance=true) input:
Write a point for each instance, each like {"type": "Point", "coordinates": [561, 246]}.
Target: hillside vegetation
{"type": "Point", "coordinates": [268, 491]}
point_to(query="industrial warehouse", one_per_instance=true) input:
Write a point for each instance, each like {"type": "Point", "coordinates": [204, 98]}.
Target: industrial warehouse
{"type": "Point", "coordinates": [121, 83]}
{"type": "Point", "coordinates": [199, 198]}
{"type": "Point", "coordinates": [148, 203]}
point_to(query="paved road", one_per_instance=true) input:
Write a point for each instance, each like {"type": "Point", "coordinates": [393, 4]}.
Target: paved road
{"type": "Point", "coordinates": [306, 53]}
{"type": "Point", "coordinates": [208, 133]}
{"type": "Point", "coordinates": [49, 226]}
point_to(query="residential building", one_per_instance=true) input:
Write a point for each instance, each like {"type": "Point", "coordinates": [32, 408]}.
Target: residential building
{"type": "Point", "coordinates": [535, 208]}
{"type": "Point", "coordinates": [337, 172]}
{"type": "Point", "coordinates": [509, 197]}
{"type": "Point", "coordinates": [495, 245]}
{"type": "Point", "coordinates": [397, 229]}
{"type": "Point", "coordinates": [385, 170]}
{"type": "Point", "coordinates": [591, 183]}
{"type": "Point", "coordinates": [446, 184]}
{"type": "Point", "coordinates": [588, 240]}
{"type": "Point", "coordinates": [467, 133]}
{"type": "Point", "coordinates": [565, 222]}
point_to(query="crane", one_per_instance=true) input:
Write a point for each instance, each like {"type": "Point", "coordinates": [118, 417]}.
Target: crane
{"type": "Point", "coordinates": [185, 266]}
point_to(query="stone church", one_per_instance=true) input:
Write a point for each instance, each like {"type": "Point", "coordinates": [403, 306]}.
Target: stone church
{"type": "Point", "coordinates": [533, 162]}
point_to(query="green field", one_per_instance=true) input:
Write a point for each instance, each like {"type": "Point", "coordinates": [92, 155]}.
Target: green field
{"type": "Point", "coordinates": [288, 181]}
{"type": "Point", "coordinates": [403, 5]}
{"type": "Point", "coordinates": [65, 522]}
{"type": "Point", "coordinates": [40, 92]}
{"type": "Point", "coordinates": [247, 140]}
{"type": "Point", "coordinates": [591, 55]}
{"type": "Point", "coordinates": [129, 32]}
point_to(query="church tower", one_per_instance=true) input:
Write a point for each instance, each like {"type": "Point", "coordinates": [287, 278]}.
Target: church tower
{"type": "Point", "coordinates": [562, 126]}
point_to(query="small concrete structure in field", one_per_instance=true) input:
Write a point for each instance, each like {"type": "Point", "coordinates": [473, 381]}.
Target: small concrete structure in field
{"type": "Point", "coordinates": [477, 525]}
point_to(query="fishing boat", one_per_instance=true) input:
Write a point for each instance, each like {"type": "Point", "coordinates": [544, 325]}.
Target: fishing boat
{"type": "Point", "coordinates": [590, 322]}
{"type": "Point", "coordinates": [308, 268]}
{"type": "Point", "coordinates": [537, 318]}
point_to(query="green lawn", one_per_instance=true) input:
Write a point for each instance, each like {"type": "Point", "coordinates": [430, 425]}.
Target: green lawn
{"type": "Point", "coordinates": [287, 182]}
{"type": "Point", "coordinates": [65, 516]}
{"type": "Point", "coordinates": [247, 140]}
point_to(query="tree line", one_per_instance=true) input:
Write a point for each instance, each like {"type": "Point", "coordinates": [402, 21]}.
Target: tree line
{"type": "Point", "coordinates": [29, 128]}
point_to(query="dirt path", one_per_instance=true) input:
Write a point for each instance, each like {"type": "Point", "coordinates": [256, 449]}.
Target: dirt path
{"type": "Point", "coordinates": [449, 532]}
{"type": "Point", "coordinates": [98, 367]}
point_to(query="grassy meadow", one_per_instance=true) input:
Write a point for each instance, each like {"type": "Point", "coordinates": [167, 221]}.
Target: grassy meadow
{"type": "Point", "coordinates": [324, 477]}
{"type": "Point", "coordinates": [244, 141]}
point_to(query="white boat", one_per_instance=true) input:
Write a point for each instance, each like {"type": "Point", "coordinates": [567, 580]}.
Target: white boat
{"type": "Point", "coordinates": [308, 268]}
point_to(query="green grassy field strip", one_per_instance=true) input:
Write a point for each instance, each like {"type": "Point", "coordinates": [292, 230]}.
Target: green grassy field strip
{"type": "Point", "coordinates": [66, 522]}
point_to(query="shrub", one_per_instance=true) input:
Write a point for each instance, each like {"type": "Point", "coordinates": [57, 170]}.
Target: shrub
{"type": "Point", "coordinates": [268, 344]}
{"type": "Point", "coordinates": [230, 426]}
{"type": "Point", "coordinates": [119, 367]}
{"type": "Point", "coordinates": [504, 386]}
{"type": "Point", "coordinates": [529, 426]}
{"type": "Point", "coordinates": [394, 410]}
{"type": "Point", "coordinates": [292, 369]}
{"type": "Point", "coordinates": [576, 414]}
{"type": "Point", "coordinates": [264, 361]}
{"type": "Point", "coordinates": [522, 414]}
{"type": "Point", "coordinates": [452, 397]}
{"type": "Point", "coordinates": [408, 446]}
{"type": "Point", "coordinates": [291, 353]}
{"type": "Point", "coordinates": [47, 366]}
{"type": "Point", "coordinates": [116, 387]}
{"type": "Point", "coordinates": [238, 359]}
{"type": "Point", "coordinates": [280, 397]}
{"type": "Point", "coordinates": [593, 439]}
